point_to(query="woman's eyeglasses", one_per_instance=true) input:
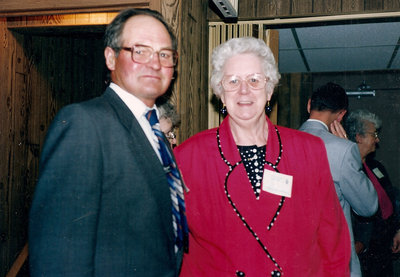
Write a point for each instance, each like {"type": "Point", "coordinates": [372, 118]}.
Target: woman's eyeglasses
{"type": "Point", "coordinates": [170, 135]}
{"type": "Point", "coordinates": [233, 82]}
{"type": "Point", "coordinates": [374, 134]}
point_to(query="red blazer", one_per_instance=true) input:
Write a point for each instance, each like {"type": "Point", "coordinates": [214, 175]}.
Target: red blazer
{"type": "Point", "coordinates": [310, 235]}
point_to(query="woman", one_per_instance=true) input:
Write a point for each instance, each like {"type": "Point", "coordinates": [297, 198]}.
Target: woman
{"type": "Point", "coordinates": [374, 236]}
{"type": "Point", "coordinates": [169, 120]}
{"type": "Point", "coordinates": [260, 198]}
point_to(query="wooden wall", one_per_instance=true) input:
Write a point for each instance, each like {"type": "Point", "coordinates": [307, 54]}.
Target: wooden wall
{"type": "Point", "coordinates": [38, 76]}
{"type": "Point", "coordinates": [292, 95]}
{"type": "Point", "coordinates": [47, 63]}
{"type": "Point", "coordinates": [41, 7]}
{"type": "Point", "coordinates": [191, 84]}
{"type": "Point", "coordinates": [269, 9]}
{"type": "Point", "coordinates": [193, 81]}
{"type": "Point", "coordinates": [44, 74]}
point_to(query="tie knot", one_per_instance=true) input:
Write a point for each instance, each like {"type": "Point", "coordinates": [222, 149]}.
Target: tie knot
{"type": "Point", "coordinates": [151, 116]}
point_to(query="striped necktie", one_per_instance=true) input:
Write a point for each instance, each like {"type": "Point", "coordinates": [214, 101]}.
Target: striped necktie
{"type": "Point", "coordinates": [175, 185]}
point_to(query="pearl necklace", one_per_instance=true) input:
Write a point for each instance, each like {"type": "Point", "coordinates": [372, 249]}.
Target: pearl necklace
{"type": "Point", "coordinates": [231, 167]}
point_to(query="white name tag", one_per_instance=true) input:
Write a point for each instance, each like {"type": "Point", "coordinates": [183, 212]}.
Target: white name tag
{"type": "Point", "coordinates": [277, 183]}
{"type": "Point", "coordinates": [377, 172]}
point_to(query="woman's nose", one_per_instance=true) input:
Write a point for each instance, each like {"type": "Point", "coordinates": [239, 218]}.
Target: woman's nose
{"type": "Point", "coordinates": [244, 87]}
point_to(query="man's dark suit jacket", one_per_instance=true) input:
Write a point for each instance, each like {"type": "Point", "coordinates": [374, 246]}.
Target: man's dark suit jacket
{"type": "Point", "coordinates": [102, 204]}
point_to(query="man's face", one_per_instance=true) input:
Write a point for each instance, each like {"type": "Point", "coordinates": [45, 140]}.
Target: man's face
{"type": "Point", "coordinates": [147, 81]}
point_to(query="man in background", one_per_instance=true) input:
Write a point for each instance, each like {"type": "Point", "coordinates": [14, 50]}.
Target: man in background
{"type": "Point", "coordinates": [327, 106]}
{"type": "Point", "coordinates": [103, 203]}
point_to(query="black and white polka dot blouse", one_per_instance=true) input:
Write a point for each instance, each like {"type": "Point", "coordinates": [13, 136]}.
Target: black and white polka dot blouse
{"type": "Point", "coordinates": [253, 158]}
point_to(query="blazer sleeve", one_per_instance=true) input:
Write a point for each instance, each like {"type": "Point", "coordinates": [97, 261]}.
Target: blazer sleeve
{"type": "Point", "coordinates": [357, 189]}
{"type": "Point", "coordinates": [63, 216]}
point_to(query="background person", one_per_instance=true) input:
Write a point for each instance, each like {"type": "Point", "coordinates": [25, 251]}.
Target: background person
{"type": "Point", "coordinates": [261, 199]}
{"type": "Point", "coordinates": [102, 205]}
{"type": "Point", "coordinates": [327, 106]}
{"type": "Point", "coordinates": [169, 121]}
{"type": "Point", "coordinates": [376, 237]}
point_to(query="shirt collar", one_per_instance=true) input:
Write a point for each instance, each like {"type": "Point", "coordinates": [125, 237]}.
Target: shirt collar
{"type": "Point", "coordinates": [137, 107]}
{"type": "Point", "coordinates": [316, 120]}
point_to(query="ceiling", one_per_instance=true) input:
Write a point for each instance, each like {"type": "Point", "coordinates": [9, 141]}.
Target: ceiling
{"type": "Point", "coordinates": [338, 48]}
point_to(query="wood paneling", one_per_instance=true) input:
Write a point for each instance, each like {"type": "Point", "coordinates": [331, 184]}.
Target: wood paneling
{"type": "Point", "coordinates": [273, 8]}
{"type": "Point", "coordinates": [349, 6]}
{"type": "Point", "coordinates": [41, 7]}
{"type": "Point", "coordinates": [302, 7]}
{"type": "Point", "coordinates": [6, 148]}
{"type": "Point", "coordinates": [45, 73]}
{"type": "Point", "coordinates": [45, 64]}
{"type": "Point", "coordinates": [261, 9]}
{"type": "Point", "coordinates": [192, 79]}
{"type": "Point", "coordinates": [391, 5]}
{"type": "Point", "coordinates": [327, 7]}
{"type": "Point", "coordinates": [371, 5]}
{"type": "Point", "coordinates": [59, 20]}
{"type": "Point", "coordinates": [42, 71]}
{"type": "Point", "coordinates": [292, 94]}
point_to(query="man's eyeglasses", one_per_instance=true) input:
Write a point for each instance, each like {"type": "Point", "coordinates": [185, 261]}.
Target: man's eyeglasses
{"type": "Point", "coordinates": [374, 134]}
{"type": "Point", "coordinates": [144, 54]}
{"type": "Point", "coordinates": [254, 81]}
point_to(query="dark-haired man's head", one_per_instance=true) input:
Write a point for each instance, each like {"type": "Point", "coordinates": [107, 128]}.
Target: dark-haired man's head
{"type": "Point", "coordinates": [328, 103]}
{"type": "Point", "coordinates": [331, 97]}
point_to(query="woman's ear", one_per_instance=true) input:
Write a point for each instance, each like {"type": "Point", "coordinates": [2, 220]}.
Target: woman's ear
{"type": "Point", "coordinates": [270, 91]}
{"type": "Point", "coordinates": [222, 97]}
{"type": "Point", "coordinates": [358, 138]}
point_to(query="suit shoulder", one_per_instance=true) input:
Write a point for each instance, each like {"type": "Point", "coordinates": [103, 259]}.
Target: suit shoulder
{"type": "Point", "coordinates": [343, 143]}
{"type": "Point", "coordinates": [294, 134]}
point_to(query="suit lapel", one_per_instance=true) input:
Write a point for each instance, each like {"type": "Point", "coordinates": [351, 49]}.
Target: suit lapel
{"type": "Point", "coordinates": [146, 157]}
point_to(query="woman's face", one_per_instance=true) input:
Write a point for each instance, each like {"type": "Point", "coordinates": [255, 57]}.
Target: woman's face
{"type": "Point", "coordinates": [245, 103]}
{"type": "Point", "coordinates": [367, 142]}
{"type": "Point", "coordinates": [166, 128]}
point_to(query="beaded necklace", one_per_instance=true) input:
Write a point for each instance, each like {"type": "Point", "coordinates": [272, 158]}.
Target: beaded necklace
{"type": "Point", "coordinates": [275, 273]}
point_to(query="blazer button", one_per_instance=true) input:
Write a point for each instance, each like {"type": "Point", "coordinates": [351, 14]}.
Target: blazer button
{"type": "Point", "coordinates": [240, 273]}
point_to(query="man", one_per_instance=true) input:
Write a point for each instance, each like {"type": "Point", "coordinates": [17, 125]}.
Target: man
{"type": "Point", "coordinates": [103, 206]}
{"type": "Point", "coordinates": [327, 106]}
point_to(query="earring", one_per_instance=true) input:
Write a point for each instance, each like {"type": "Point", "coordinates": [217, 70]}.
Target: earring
{"type": "Point", "coordinates": [223, 111]}
{"type": "Point", "coordinates": [268, 108]}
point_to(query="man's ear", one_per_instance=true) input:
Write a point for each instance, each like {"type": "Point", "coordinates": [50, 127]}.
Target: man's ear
{"type": "Point", "coordinates": [109, 55]}
{"type": "Point", "coordinates": [309, 105]}
{"type": "Point", "coordinates": [341, 115]}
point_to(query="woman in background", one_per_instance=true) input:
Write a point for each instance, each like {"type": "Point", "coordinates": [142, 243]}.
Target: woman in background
{"type": "Point", "coordinates": [169, 120]}
{"type": "Point", "coordinates": [376, 237]}
{"type": "Point", "coordinates": [260, 200]}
